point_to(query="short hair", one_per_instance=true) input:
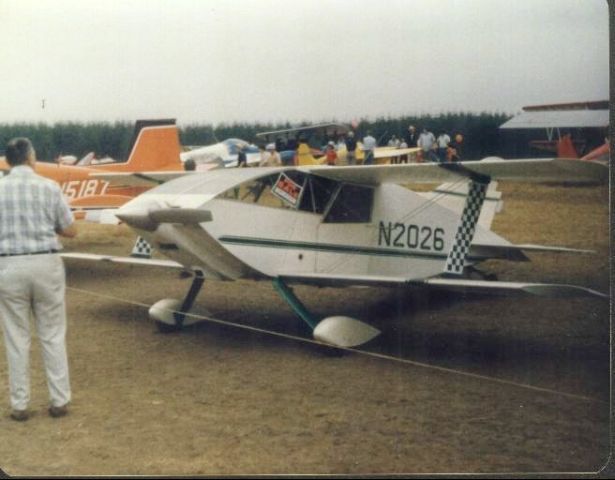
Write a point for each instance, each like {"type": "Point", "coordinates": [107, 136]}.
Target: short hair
{"type": "Point", "coordinates": [18, 150]}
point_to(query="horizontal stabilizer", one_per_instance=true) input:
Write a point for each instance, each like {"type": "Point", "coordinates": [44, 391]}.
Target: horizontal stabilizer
{"type": "Point", "coordinates": [525, 170]}
{"type": "Point", "coordinates": [517, 252]}
{"type": "Point", "coordinates": [529, 247]}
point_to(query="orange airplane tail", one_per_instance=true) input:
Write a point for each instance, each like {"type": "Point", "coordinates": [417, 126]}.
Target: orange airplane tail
{"type": "Point", "coordinates": [565, 148]}
{"type": "Point", "coordinates": [600, 153]}
{"type": "Point", "coordinates": [155, 147]}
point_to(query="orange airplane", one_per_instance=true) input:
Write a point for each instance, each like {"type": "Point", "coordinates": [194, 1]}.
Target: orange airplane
{"type": "Point", "coordinates": [155, 148]}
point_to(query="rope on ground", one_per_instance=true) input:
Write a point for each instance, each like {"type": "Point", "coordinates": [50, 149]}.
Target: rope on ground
{"type": "Point", "coordinates": [355, 350]}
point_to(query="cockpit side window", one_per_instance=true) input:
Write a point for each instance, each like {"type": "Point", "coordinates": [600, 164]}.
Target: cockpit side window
{"type": "Point", "coordinates": [352, 204]}
{"type": "Point", "coordinates": [257, 191]}
{"type": "Point", "coordinates": [318, 192]}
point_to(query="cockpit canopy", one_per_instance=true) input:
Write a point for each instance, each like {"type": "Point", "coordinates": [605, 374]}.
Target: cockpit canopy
{"type": "Point", "coordinates": [336, 201]}
{"type": "Point", "coordinates": [234, 144]}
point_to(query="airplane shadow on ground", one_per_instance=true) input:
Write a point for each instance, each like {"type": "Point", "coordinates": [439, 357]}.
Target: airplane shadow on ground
{"type": "Point", "coordinates": [408, 320]}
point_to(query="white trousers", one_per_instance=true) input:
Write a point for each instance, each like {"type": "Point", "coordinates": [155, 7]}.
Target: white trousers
{"type": "Point", "coordinates": [34, 285]}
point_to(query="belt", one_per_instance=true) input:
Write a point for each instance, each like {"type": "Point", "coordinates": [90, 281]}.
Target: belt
{"type": "Point", "coordinates": [30, 253]}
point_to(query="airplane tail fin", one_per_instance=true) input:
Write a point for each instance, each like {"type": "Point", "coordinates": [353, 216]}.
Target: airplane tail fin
{"type": "Point", "coordinates": [453, 197]}
{"type": "Point", "coordinates": [155, 147]}
{"type": "Point", "coordinates": [565, 148]}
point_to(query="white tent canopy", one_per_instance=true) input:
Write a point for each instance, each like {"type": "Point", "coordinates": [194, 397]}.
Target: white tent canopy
{"type": "Point", "coordinates": [558, 119]}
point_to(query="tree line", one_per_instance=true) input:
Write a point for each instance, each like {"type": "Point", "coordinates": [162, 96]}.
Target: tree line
{"type": "Point", "coordinates": [479, 130]}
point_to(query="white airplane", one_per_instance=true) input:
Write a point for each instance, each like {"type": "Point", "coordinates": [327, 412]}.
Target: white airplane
{"type": "Point", "coordinates": [338, 226]}
{"type": "Point", "coordinates": [222, 154]}
{"type": "Point", "coordinates": [72, 159]}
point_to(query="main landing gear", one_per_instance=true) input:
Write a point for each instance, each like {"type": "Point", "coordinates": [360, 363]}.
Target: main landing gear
{"type": "Point", "coordinates": [339, 331]}
{"type": "Point", "coordinates": [170, 314]}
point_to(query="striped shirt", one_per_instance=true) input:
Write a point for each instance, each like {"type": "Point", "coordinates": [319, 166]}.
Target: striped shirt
{"type": "Point", "coordinates": [32, 209]}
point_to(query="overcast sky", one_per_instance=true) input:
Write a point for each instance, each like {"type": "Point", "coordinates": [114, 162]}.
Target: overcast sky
{"type": "Point", "coordinates": [213, 61]}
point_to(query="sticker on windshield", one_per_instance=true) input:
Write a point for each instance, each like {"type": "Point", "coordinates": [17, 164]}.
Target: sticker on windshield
{"type": "Point", "coordinates": [288, 190]}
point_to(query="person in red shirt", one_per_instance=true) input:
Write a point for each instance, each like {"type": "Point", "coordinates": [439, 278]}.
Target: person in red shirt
{"type": "Point", "coordinates": [331, 154]}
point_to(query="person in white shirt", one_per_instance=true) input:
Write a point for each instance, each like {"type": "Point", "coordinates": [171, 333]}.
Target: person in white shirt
{"type": "Point", "coordinates": [369, 144]}
{"type": "Point", "coordinates": [394, 142]}
{"type": "Point", "coordinates": [33, 212]}
{"type": "Point", "coordinates": [426, 143]}
{"type": "Point", "coordinates": [443, 140]}
{"type": "Point", "coordinates": [270, 158]}
{"type": "Point", "coordinates": [403, 158]}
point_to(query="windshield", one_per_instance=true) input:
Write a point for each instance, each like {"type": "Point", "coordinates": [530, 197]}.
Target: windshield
{"type": "Point", "coordinates": [233, 145]}
{"type": "Point", "coordinates": [337, 202]}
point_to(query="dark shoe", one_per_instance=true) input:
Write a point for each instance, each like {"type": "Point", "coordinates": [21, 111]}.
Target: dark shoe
{"type": "Point", "coordinates": [56, 412]}
{"type": "Point", "coordinates": [19, 415]}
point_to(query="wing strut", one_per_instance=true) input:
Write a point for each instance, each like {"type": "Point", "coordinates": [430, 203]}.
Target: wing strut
{"type": "Point", "coordinates": [289, 297]}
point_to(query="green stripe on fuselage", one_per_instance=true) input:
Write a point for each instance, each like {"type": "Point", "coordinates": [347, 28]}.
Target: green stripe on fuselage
{"type": "Point", "coordinates": [328, 247]}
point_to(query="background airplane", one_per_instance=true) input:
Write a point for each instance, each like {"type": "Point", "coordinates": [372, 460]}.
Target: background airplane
{"type": "Point", "coordinates": [222, 154]}
{"type": "Point", "coordinates": [297, 146]}
{"type": "Point", "coordinates": [155, 147]}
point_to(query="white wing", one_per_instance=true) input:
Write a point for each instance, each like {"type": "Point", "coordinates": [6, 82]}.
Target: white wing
{"type": "Point", "coordinates": [452, 284]}
{"type": "Point", "coordinates": [526, 170]}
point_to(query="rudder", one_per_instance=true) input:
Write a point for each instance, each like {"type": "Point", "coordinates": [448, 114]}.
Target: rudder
{"type": "Point", "coordinates": [155, 147]}
{"type": "Point", "coordinates": [453, 197]}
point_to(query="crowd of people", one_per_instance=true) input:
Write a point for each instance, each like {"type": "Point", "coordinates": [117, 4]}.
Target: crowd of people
{"type": "Point", "coordinates": [346, 148]}
{"type": "Point", "coordinates": [438, 149]}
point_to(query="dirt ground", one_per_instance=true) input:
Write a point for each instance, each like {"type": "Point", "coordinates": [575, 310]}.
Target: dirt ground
{"type": "Point", "coordinates": [465, 384]}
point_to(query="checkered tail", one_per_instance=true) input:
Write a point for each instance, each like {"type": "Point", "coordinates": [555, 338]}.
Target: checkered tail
{"type": "Point", "coordinates": [467, 226]}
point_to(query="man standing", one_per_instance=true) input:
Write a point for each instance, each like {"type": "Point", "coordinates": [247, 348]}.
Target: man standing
{"type": "Point", "coordinates": [369, 144]}
{"type": "Point", "coordinates": [426, 143]}
{"type": "Point", "coordinates": [443, 142]}
{"type": "Point", "coordinates": [270, 158]}
{"type": "Point", "coordinates": [32, 278]}
{"type": "Point", "coordinates": [412, 137]}
{"type": "Point", "coordinates": [351, 147]}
